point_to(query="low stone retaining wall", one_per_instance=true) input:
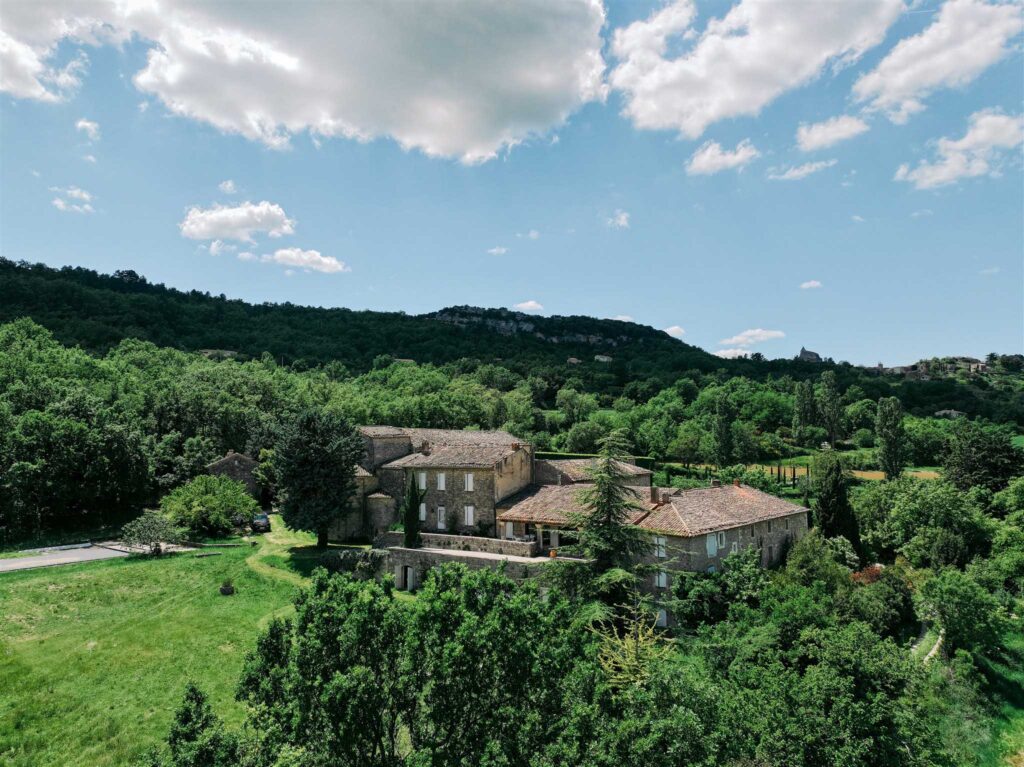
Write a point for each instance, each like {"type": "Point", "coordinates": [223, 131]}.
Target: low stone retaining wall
{"type": "Point", "coordinates": [419, 561]}
{"type": "Point", "coordinates": [461, 543]}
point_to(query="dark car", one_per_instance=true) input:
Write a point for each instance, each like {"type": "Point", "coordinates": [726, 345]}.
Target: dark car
{"type": "Point", "coordinates": [260, 523]}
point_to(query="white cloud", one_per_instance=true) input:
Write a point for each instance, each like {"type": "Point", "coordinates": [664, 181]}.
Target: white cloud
{"type": "Point", "coordinates": [72, 200]}
{"type": "Point", "coordinates": [810, 285]}
{"type": "Point", "coordinates": [989, 136]}
{"type": "Point", "coordinates": [988, 272]}
{"type": "Point", "coordinates": [752, 336]}
{"type": "Point", "coordinates": [711, 158]}
{"type": "Point", "coordinates": [239, 222]}
{"type": "Point", "coordinates": [967, 37]}
{"type": "Point", "coordinates": [857, 219]}
{"type": "Point", "coordinates": [675, 331]}
{"type": "Point", "coordinates": [740, 62]}
{"type": "Point", "coordinates": [798, 172]}
{"type": "Point", "coordinates": [217, 247]}
{"type": "Point", "coordinates": [89, 128]}
{"type": "Point", "coordinates": [529, 306]}
{"type": "Point", "coordinates": [498, 250]}
{"type": "Point", "coordinates": [623, 318]}
{"type": "Point", "coordinates": [89, 158]}
{"type": "Point", "coordinates": [922, 213]}
{"type": "Point", "coordinates": [463, 80]}
{"type": "Point", "coordinates": [246, 255]}
{"type": "Point", "coordinates": [824, 134]}
{"type": "Point", "coordinates": [228, 186]}
{"type": "Point", "coordinates": [619, 220]}
{"type": "Point", "coordinates": [310, 260]}
{"type": "Point", "coordinates": [732, 354]}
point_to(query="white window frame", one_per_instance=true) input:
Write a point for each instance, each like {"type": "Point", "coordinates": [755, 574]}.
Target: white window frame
{"type": "Point", "coordinates": [660, 546]}
{"type": "Point", "coordinates": [721, 541]}
{"type": "Point", "coordinates": [469, 482]}
{"type": "Point", "coordinates": [423, 512]}
{"type": "Point", "coordinates": [442, 518]}
{"type": "Point", "coordinates": [421, 480]}
{"type": "Point", "coordinates": [469, 510]}
{"type": "Point", "coordinates": [734, 547]}
{"type": "Point", "coordinates": [441, 480]}
{"type": "Point", "coordinates": [661, 579]}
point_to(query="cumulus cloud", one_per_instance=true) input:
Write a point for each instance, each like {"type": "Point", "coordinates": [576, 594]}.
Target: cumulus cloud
{"type": "Point", "coordinates": [89, 158]}
{"type": "Point", "coordinates": [732, 354]}
{"type": "Point", "coordinates": [618, 220]}
{"type": "Point", "coordinates": [529, 306]}
{"type": "Point", "coordinates": [89, 128]}
{"type": "Point", "coordinates": [533, 234]}
{"type": "Point", "coordinates": [857, 219]}
{"type": "Point", "coordinates": [798, 172]}
{"type": "Point", "coordinates": [72, 199]}
{"type": "Point", "coordinates": [923, 212]}
{"type": "Point", "coordinates": [989, 271]}
{"type": "Point", "coordinates": [675, 331]}
{"type": "Point", "coordinates": [310, 260]}
{"type": "Point", "coordinates": [810, 285]}
{"type": "Point", "coordinates": [752, 336]}
{"type": "Point", "coordinates": [741, 62]}
{"type": "Point", "coordinates": [498, 250]}
{"type": "Point", "coordinates": [711, 158]}
{"type": "Point", "coordinates": [824, 134]}
{"type": "Point", "coordinates": [966, 38]}
{"type": "Point", "coordinates": [239, 222]}
{"type": "Point", "coordinates": [228, 186]}
{"type": "Point", "coordinates": [463, 80]}
{"type": "Point", "coordinates": [990, 135]}
{"type": "Point", "coordinates": [217, 247]}
{"type": "Point", "coordinates": [623, 318]}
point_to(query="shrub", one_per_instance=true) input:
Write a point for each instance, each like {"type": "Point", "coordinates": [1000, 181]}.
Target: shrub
{"type": "Point", "coordinates": [151, 530]}
{"type": "Point", "coordinates": [863, 438]}
{"type": "Point", "coordinates": [210, 505]}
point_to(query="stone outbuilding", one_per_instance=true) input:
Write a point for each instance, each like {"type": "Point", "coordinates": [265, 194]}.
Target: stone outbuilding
{"type": "Point", "coordinates": [238, 467]}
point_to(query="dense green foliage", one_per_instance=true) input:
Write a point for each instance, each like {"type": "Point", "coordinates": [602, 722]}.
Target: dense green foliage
{"type": "Point", "coordinates": [315, 465]}
{"type": "Point", "coordinates": [210, 505]}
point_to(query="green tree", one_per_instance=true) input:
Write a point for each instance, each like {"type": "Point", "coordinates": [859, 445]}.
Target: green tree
{"type": "Point", "coordinates": [805, 411]}
{"type": "Point", "coordinates": [198, 737]}
{"type": "Point", "coordinates": [981, 456]}
{"type": "Point", "coordinates": [721, 430]}
{"type": "Point", "coordinates": [411, 515]}
{"type": "Point", "coordinates": [833, 513]}
{"type": "Point", "coordinates": [210, 505]}
{"type": "Point", "coordinates": [830, 406]}
{"type": "Point", "coordinates": [151, 530]}
{"type": "Point", "coordinates": [316, 461]}
{"type": "Point", "coordinates": [892, 439]}
{"type": "Point", "coordinates": [604, 530]}
{"type": "Point", "coordinates": [969, 615]}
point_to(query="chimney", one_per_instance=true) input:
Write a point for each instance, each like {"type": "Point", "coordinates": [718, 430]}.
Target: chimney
{"type": "Point", "coordinates": [716, 483]}
{"type": "Point", "coordinates": [736, 482]}
{"type": "Point", "coordinates": [665, 495]}
{"type": "Point", "coordinates": [425, 448]}
{"type": "Point", "coordinates": [654, 495]}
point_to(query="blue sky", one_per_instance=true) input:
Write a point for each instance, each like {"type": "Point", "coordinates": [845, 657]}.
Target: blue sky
{"type": "Point", "coordinates": [637, 160]}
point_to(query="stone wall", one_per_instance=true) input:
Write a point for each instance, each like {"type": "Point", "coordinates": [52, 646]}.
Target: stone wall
{"type": "Point", "coordinates": [461, 543]}
{"type": "Point", "coordinates": [419, 561]}
{"type": "Point", "coordinates": [380, 450]}
{"type": "Point", "coordinates": [454, 498]}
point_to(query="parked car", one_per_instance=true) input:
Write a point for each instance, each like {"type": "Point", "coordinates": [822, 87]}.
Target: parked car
{"type": "Point", "coordinates": [261, 523]}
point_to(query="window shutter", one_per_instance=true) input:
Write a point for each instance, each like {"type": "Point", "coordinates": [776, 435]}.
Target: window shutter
{"type": "Point", "coordinates": [421, 480]}
{"type": "Point", "coordinates": [470, 515]}
{"type": "Point", "coordinates": [442, 521]}
{"type": "Point", "coordinates": [469, 482]}
{"type": "Point", "coordinates": [440, 481]}
{"type": "Point", "coordinates": [423, 512]}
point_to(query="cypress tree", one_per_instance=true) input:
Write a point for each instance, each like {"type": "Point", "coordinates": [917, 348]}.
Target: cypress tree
{"type": "Point", "coordinates": [892, 438]}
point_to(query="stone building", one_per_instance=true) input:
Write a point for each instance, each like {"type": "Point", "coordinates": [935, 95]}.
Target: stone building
{"type": "Point", "coordinates": [238, 467]}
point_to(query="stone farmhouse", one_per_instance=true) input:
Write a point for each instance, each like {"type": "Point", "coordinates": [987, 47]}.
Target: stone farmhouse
{"type": "Point", "coordinates": [488, 502]}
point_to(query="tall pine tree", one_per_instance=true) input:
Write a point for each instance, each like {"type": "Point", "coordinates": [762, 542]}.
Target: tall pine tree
{"type": "Point", "coordinates": [892, 438]}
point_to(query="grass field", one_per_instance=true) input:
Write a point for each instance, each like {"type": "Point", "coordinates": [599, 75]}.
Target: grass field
{"type": "Point", "coordinates": [1006, 749]}
{"type": "Point", "coordinates": [94, 657]}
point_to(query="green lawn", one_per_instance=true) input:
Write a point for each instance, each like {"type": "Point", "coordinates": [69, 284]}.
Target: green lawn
{"type": "Point", "coordinates": [94, 657]}
{"type": "Point", "coordinates": [1007, 690]}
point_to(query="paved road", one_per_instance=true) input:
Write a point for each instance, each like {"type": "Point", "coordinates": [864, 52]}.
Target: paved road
{"type": "Point", "coordinates": [52, 557]}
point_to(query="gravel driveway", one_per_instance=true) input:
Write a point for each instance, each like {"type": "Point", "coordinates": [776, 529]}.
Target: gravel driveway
{"type": "Point", "coordinates": [59, 556]}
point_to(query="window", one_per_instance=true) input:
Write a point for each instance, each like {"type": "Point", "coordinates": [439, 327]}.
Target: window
{"type": "Point", "coordinates": [662, 619]}
{"type": "Point", "coordinates": [470, 515]}
{"type": "Point", "coordinates": [442, 518]}
{"type": "Point", "coordinates": [421, 480]}
{"type": "Point", "coordinates": [660, 547]}
{"type": "Point", "coordinates": [509, 530]}
{"type": "Point", "coordinates": [661, 580]}
{"type": "Point", "coordinates": [769, 525]}
{"type": "Point", "coordinates": [786, 522]}
{"type": "Point", "coordinates": [711, 569]}
{"type": "Point", "coordinates": [734, 547]}
{"type": "Point", "coordinates": [771, 554]}
{"type": "Point", "coordinates": [751, 531]}
{"type": "Point", "coordinates": [423, 512]}
{"type": "Point", "coordinates": [469, 482]}
{"type": "Point", "coordinates": [440, 481]}
{"type": "Point", "coordinates": [721, 540]}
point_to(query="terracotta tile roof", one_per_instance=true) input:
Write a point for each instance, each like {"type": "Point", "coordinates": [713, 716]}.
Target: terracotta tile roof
{"type": "Point", "coordinates": [708, 509]}
{"type": "Point", "coordinates": [552, 505]}
{"type": "Point", "coordinates": [686, 513]}
{"type": "Point", "coordinates": [361, 472]}
{"type": "Point", "coordinates": [454, 457]}
{"type": "Point", "coordinates": [379, 494]}
{"type": "Point", "coordinates": [449, 437]}
{"type": "Point", "coordinates": [578, 469]}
